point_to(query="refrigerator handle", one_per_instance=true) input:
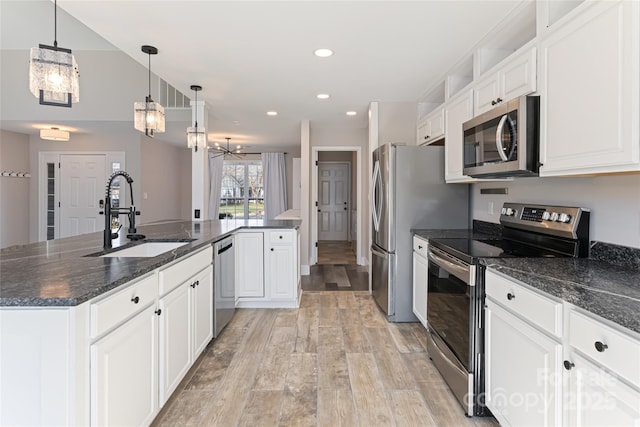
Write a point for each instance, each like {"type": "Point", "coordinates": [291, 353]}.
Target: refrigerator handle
{"type": "Point", "coordinates": [374, 203]}
{"type": "Point", "coordinates": [377, 252]}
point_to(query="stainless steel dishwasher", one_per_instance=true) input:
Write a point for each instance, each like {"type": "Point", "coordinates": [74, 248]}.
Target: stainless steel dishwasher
{"type": "Point", "coordinates": [224, 299]}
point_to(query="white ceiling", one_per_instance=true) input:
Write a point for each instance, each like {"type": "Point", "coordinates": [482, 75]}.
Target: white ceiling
{"type": "Point", "coordinates": [255, 56]}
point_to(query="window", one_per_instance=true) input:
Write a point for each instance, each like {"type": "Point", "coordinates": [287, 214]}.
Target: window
{"type": "Point", "coordinates": [242, 194]}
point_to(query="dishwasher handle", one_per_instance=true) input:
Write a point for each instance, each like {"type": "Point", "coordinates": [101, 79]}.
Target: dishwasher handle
{"type": "Point", "coordinates": [226, 248]}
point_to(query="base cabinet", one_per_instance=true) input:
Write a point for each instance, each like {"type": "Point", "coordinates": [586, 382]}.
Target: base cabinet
{"type": "Point", "coordinates": [124, 373]}
{"type": "Point", "coordinates": [420, 279]}
{"type": "Point", "coordinates": [268, 269]}
{"type": "Point", "coordinates": [523, 378]}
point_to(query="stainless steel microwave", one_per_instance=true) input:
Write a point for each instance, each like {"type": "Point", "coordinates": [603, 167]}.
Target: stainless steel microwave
{"type": "Point", "coordinates": [504, 142]}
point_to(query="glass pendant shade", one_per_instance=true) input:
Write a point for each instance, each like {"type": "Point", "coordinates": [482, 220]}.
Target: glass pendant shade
{"type": "Point", "coordinates": [196, 137]}
{"type": "Point", "coordinates": [54, 76]}
{"type": "Point", "coordinates": [149, 117]}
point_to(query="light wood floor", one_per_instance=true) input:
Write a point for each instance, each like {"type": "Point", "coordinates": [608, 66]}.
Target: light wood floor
{"type": "Point", "coordinates": [335, 361]}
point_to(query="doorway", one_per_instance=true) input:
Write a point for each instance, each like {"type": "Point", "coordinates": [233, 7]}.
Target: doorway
{"type": "Point", "coordinates": [334, 200]}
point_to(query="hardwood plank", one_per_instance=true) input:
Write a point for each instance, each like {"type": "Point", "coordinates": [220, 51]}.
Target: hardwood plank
{"type": "Point", "coordinates": [409, 409]}
{"type": "Point", "coordinates": [262, 409]}
{"type": "Point", "coordinates": [208, 375]}
{"type": "Point", "coordinates": [341, 277]}
{"type": "Point", "coordinates": [307, 332]}
{"type": "Point", "coordinates": [333, 372]}
{"type": "Point", "coordinates": [369, 311]}
{"type": "Point", "coordinates": [392, 369]}
{"type": "Point", "coordinates": [187, 410]}
{"type": "Point", "coordinates": [330, 339]}
{"type": "Point", "coordinates": [274, 365]}
{"type": "Point", "coordinates": [228, 340]}
{"type": "Point", "coordinates": [420, 333]}
{"type": "Point", "coordinates": [303, 371]}
{"type": "Point", "coordinates": [328, 310]}
{"type": "Point", "coordinates": [349, 317]}
{"type": "Point", "coordinates": [347, 300]}
{"type": "Point", "coordinates": [372, 409]}
{"type": "Point", "coordinates": [286, 317]}
{"type": "Point", "coordinates": [258, 334]}
{"type": "Point", "coordinates": [335, 408]}
{"type": "Point", "coordinates": [228, 403]}
{"type": "Point", "coordinates": [242, 318]}
{"type": "Point", "coordinates": [355, 339]}
{"type": "Point", "coordinates": [299, 406]}
{"type": "Point", "coordinates": [405, 339]}
{"type": "Point", "coordinates": [309, 300]}
{"type": "Point", "coordinates": [363, 373]}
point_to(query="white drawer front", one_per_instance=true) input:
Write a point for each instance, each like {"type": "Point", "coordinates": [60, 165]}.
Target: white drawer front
{"type": "Point", "coordinates": [115, 308]}
{"type": "Point", "coordinates": [420, 246]}
{"type": "Point", "coordinates": [621, 354]}
{"type": "Point", "coordinates": [172, 277]}
{"type": "Point", "coordinates": [538, 309]}
{"type": "Point", "coordinates": [281, 236]}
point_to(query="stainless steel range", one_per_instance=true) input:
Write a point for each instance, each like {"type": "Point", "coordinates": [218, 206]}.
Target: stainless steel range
{"type": "Point", "coordinates": [455, 299]}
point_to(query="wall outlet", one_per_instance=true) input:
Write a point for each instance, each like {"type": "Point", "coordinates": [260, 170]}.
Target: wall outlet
{"type": "Point", "coordinates": [196, 214]}
{"type": "Point", "coordinates": [490, 208]}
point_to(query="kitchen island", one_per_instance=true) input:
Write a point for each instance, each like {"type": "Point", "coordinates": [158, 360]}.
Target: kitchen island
{"type": "Point", "coordinates": [87, 339]}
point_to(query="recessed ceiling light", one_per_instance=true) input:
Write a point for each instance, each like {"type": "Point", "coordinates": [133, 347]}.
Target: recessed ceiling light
{"type": "Point", "coordinates": [323, 96]}
{"type": "Point", "coordinates": [272, 113]}
{"type": "Point", "coordinates": [54, 134]}
{"type": "Point", "coordinates": [351, 113]}
{"type": "Point", "coordinates": [323, 53]}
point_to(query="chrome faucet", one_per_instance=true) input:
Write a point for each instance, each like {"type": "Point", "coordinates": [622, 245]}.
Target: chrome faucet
{"type": "Point", "coordinates": [111, 213]}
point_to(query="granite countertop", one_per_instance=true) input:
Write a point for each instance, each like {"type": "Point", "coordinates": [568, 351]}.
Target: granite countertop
{"type": "Point", "coordinates": [462, 233]}
{"type": "Point", "coordinates": [69, 271]}
{"type": "Point", "coordinates": [610, 291]}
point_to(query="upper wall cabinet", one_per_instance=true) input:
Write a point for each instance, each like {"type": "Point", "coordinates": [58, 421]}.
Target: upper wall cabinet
{"type": "Point", "coordinates": [457, 111]}
{"type": "Point", "coordinates": [431, 128]}
{"type": "Point", "coordinates": [590, 91]}
{"type": "Point", "coordinates": [515, 77]}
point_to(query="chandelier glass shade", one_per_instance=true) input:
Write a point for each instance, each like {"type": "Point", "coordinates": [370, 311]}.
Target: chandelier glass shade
{"type": "Point", "coordinates": [196, 136]}
{"type": "Point", "coordinates": [54, 134]}
{"type": "Point", "coordinates": [149, 115]}
{"type": "Point", "coordinates": [53, 73]}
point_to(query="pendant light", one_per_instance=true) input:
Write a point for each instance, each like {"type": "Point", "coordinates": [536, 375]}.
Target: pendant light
{"type": "Point", "coordinates": [53, 72]}
{"type": "Point", "coordinates": [196, 137]}
{"type": "Point", "coordinates": [149, 115]}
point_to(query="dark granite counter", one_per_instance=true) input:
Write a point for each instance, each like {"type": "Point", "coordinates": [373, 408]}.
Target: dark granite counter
{"type": "Point", "coordinates": [451, 234]}
{"type": "Point", "coordinates": [69, 271]}
{"type": "Point", "coordinates": [610, 291]}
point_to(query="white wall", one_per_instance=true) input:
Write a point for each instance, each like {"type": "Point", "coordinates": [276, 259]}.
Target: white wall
{"type": "Point", "coordinates": [127, 142]}
{"type": "Point", "coordinates": [397, 122]}
{"type": "Point", "coordinates": [614, 202]}
{"type": "Point", "coordinates": [14, 192]}
{"type": "Point", "coordinates": [166, 182]}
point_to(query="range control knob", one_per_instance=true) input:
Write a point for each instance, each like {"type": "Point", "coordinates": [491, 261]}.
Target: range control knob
{"type": "Point", "coordinates": [510, 212]}
{"type": "Point", "coordinates": [545, 216]}
{"type": "Point", "coordinates": [503, 211]}
{"type": "Point", "coordinates": [565, 217]}
{"type": "Point", "coordinates": [554, 216]}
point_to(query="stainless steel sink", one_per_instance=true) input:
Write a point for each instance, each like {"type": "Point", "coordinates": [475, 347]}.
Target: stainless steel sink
{"type": "Point", "coordinates": [145, 250]}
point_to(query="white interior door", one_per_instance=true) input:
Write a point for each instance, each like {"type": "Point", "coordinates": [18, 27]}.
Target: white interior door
{"type": "Point", "coordinates": [334, 183]}
{"type": "Point", "coordinates": [82, 181]}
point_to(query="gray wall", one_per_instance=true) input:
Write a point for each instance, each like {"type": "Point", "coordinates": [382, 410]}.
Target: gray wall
{"type": "Point", "coordinates": [14, 192]}
{"type": "Point", "coordinates": [614, 202]}
{"type": "Point", "coordinates": [166, 181]}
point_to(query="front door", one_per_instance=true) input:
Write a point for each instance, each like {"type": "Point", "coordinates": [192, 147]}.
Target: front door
{"type": "Point", "coordinates": [82, 181]}
{"type": "Point", "coordinates": [334, 183]}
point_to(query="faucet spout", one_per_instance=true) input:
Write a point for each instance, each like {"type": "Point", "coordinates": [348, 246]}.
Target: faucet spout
{"type": "Point", "coordinates": [110, 212]}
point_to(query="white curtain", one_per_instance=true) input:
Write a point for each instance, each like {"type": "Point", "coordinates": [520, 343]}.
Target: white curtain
{"type": "Point", "coordinates": [275, 184]}
{"type": "Point", "coordinates": [216, 164]}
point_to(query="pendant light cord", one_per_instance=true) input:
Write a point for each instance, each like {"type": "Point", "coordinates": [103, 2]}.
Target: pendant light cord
{"type": "Point", "coordinates": [55, 23]}
{"type": "Point", "coordinates": [149, 55]}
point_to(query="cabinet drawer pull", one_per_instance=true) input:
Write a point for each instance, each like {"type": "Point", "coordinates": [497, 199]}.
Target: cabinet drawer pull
{"type": "Point", "coordinates": [271, 249]}
{"type": "Point", "coordinates": [419, 247]}
{"type": "Point", "coordinates": [600, 346]}
{"type": "Point", "coordinates": [568, 365]}
{"type": "Point", "coordinates": [510, 296]}
{"type": "Point", "coordinates": [194, 284]}
{"type": "Point", "coordinates": [280, 237]}
{"type": "Point", "coordinates": [493, 102]}
{"type": "Point", "coordinates": [158, 312]}
{"type": "Point", "coordinates": [498, 100]}
{"type": "Point", "coordinates": [135, 300]}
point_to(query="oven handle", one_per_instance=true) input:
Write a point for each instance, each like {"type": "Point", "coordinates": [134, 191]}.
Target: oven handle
{"type": "Point", "coordinates": [461, 270]}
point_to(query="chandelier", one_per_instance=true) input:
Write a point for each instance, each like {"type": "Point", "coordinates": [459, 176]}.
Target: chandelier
{"type": "Point", "coordinates": [223, 151]}
{"type": "Point", "coordinates": [196, 137]}
{"type": "Point", "coordinates": [53, 72]}
{"type": "Point", "coordinates": [149, 115]}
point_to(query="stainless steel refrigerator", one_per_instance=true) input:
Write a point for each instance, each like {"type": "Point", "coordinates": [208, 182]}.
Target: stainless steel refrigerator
{"type": "Point", "coordinates": [408, 191]}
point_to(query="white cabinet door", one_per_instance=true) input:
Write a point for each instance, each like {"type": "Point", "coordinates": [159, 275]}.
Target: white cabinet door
{"type": "Point", "coordinates": [281, 276]}
{"type": "Point", "coordinates": [124, 369]}
{"type": "Point", "coordinates": [516, 77]}
{"type": "Point", "coordinates": [175, 339]}
{"type": "Point", "coordinates": [250, 264]}
{"type": "Point", "coordinates": [589, 104]}
{"type": "Point", "coordinates": [457, 111]}
{"type": "Point", "coordinates": [431, 127]}
{"type": "Point", "coordinates": [522, 378]}
{"type": "Point", "coordinates": [420, 280]}
{"type": "Point", "coordinates": [598, 398]}
{"type": "Point", "coordinates": [202, 311]}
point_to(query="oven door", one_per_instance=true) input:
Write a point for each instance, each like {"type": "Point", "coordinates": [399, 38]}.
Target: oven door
{"type": "Point", "coordinates": [451, 323]}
